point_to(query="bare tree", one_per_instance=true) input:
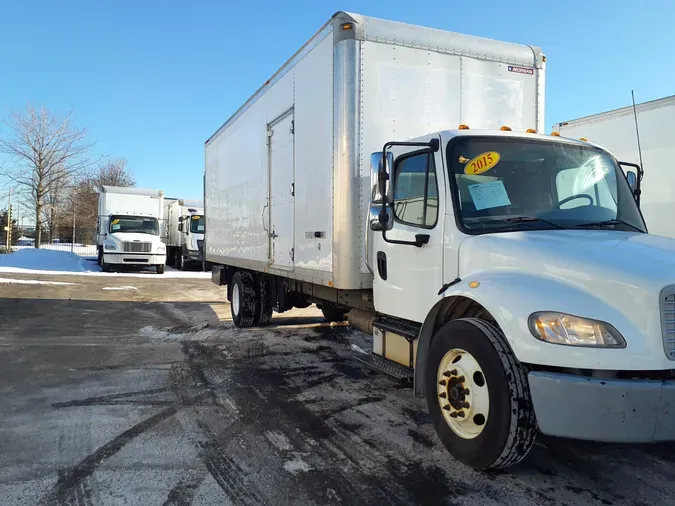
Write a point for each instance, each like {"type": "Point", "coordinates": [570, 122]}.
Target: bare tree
{"type": "Point", "coordinates": [47, 151]}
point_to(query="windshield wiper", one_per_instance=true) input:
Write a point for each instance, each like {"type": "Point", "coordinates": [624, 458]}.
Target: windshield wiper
{"type": "Point", "coordinates": [528, 219]}
{"type": "Point", "coordinates": [608, 222]}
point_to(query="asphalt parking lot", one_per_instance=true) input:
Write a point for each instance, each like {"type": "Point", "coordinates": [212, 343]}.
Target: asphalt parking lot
{"type": "Point", "coordinates": [139, 390]}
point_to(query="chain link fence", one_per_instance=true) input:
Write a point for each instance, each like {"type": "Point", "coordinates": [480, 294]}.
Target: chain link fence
{"type": "Point", "coordinates": [81, 241]}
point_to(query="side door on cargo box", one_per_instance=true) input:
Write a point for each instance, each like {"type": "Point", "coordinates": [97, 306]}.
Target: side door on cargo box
{"type": "Point", "coordinates": [281, 166]}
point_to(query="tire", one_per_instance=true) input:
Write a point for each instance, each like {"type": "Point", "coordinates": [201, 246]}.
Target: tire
{"type": "Point", "coordinates": [99, 256]}
{"type": "Point", "coordinates": [508, 427]}
{"type": "Point", "coordinates": [105, 267]}
{"type": "Point", "coordinates": [243, 303]}
{"type": "Point", "coordinates": [333, 313]}
{"type": "Point", "coordinates": [264, 308]}
{"type": "Point", "coordinates": [160, 268]}
{"type": "Point", "coordinates": [180, 264]}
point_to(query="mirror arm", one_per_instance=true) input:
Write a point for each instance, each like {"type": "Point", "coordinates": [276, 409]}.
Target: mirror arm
{"type": "Point", "coordinates": [640, 174]}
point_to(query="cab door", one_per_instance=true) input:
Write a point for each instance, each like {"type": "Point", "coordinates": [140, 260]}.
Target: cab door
{"type": "Point", "coordinates": [407, 259]}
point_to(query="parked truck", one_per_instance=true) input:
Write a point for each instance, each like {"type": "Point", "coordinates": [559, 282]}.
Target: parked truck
{"type": "Point", "coordinates": [184, 233]}
{"type": "Point", "coordinates": [393, 174]}
{"type": "Point", "coordinates": [618, 132]}
{"type": "Point", "coordinates": [128, 228]}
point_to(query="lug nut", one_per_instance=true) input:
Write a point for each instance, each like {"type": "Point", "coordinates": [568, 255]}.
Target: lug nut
{"type": "Point", "coordinates": [446, 374]}
{"type": "Point", "coordinates": [467, 405]}
{"type": "Point", "coordinates": [461, 379]}
{"type": "Point", "coordinates": [460, 414]}
{"type": "Point", "coordinates": [446, 407]}
{"type": "Point", "coordinates": [443, 383]}
{"type": "Point", "coordinates": [453, 372]}
{"type": "Point", "coordinates": [466, 391]}
{"type": "Point", "coordinates": [442, 395]}
{"type": "Point", "coordinates": [453, 415]}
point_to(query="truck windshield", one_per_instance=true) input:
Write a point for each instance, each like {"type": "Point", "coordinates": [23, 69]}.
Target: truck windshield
{"type": "Point", "coordinates": [135, 224]}
{"type": "Point", "coordinates": [504, 184]}
{"type": "Point", "coordinates": [197, 224]}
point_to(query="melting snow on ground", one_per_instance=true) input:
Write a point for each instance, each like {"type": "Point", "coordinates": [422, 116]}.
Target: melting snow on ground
{"type": "Point", "coordinates": [121, 288]}
{"type": "Point", "coordinates": [45, 261]}
{"type": "Point", "coordinates": [33, 282]}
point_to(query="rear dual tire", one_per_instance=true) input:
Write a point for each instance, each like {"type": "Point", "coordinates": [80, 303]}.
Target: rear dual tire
{"type": "Point", "coordinates": [478, 395]}
{"type": "Point", "coordinates": [251, 303]}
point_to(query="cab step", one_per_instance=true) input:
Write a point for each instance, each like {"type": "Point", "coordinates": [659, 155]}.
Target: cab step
{"type": "Point", "coordinates": [385, 366]}
{"type": "Point", "coordinates": [408, 330]}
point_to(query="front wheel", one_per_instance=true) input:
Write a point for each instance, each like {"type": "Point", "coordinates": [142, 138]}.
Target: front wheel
{"type": "Point", "coordinates": [478, 395]}
{"type": "Point", "coordinates": [160, 269]}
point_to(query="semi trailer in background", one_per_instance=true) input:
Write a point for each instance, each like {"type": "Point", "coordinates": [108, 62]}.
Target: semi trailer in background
{"type": "Point", "coordinates": [616, 131]}
{"type": "Point", "coordinates": [392, 174]}
{"type": "Point", "coordinates": [128, 228]}
{"type": "Point", "coordinates": [184, 236]}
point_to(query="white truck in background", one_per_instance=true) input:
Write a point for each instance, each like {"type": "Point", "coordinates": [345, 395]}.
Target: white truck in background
{"type": "Point", "coordinates": [184, 232]}
{"type": "Point", "coordinates": [393, 174]}
{"type": "Point", "coordinates": [128, 228]}
{"type": "Point", "coordinates": [616, 131]}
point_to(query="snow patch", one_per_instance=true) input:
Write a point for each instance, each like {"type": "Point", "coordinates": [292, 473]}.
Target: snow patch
{"type": "Point", "coordinates": [279, 439]}
{"type": "Point", "coordinates": [46, 261]}
{"type": "Point", "coordinates": [122, 288]}
{"type": "Point", "coordinates": [33, 282]}
{"type": "Point", "coordinates": [153, 333]}
{"type": "Point", "coordinates": [297, 465]}
{"type": "Point", "coordinates": [358, 349]}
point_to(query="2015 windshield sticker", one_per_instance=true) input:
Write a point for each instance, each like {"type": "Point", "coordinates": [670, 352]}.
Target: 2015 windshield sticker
{"type": "Point", "coordinates": [115, 221]}
{"type": "Point", "coordinates": [196, 217]}
{"type": "Point", "coordinates": [482, 163]}
{"type": "Point", "coordinates": [521, 70]}
{"type": "Point", "coordinates": [489, 195]}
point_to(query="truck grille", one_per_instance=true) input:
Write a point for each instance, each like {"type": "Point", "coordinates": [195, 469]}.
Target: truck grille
{"type": "Point", "coordinates": [668, 320]}
{"type": "Point", "coordinates": [137, 247]}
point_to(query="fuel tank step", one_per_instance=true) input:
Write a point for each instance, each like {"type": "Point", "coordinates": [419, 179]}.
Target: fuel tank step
{"type": "Point", "coordinates": [385, 366]}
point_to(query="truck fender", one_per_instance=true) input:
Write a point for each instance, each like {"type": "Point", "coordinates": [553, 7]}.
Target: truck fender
{"type": "Point", "coordinates": [508, 298]}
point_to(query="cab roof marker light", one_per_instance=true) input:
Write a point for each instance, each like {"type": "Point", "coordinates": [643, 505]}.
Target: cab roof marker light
{"type": "Point", "coordinates": [531, 131]}
{"type": "Point", "coordinates": [583, 139]}
{"type": "Point", "coordinates": [555, 134]}
{"type": "Point", "coordinates": [463, 127]}
{"type": "Point", "coordinates": [505, 128]}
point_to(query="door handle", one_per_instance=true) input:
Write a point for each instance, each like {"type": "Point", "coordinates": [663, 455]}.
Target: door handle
{"type": "Point", "coordinates": [382, 264]}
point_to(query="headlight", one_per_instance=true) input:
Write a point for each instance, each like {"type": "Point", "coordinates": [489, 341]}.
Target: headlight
{"type": "Point", "coordinates": [161, 249]}
{"type": "Point", "coordinates": [559, 328]}
{"type": "Point", "coordinates": [109, 246]}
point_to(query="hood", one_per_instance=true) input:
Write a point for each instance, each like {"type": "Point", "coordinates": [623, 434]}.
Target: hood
{"type": "Point", "coordinates": [585, 257]}
{"type": "Point", "coordinates": [133, 236]}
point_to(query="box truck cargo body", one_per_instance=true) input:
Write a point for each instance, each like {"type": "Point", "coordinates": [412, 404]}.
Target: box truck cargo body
{"type": "Point", "coordinates": [128, 228]}
{"type": "Point", "coordinates": [287, 181]}
{"type": "Point", "coordinates": [393, 174]}
{"type": "Point", "coordinates": [184, 232]}
{"type": "Point", "coordinates": [616, 131]}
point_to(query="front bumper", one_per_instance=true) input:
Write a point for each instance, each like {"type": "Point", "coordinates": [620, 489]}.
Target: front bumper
{"type": "Point", "coordinates": [194, 255]}
{"type": "Point", "coordinates": [134, 258]}
{"type": "Point", "coordinates": [608, 410]}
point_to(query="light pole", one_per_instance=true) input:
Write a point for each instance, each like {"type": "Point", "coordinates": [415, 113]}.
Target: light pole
{"type": "Point", "coordinates": [8, 228]}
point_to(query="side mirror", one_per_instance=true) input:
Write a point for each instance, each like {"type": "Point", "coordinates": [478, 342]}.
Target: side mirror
{"type": "Point", "coordinates": [180, 219]}
{"type": "Point", "coordinates": [180, 226]}
{"type": "Point", "coordinates": [631, 177]}
{"type": "Point", "coordinates": [381, 180]}
{"type": "Point", "coordinates": [380, 218]}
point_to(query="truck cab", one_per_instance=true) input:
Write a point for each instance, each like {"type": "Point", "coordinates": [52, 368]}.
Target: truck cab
{"type": "Point", "coordinates": [513, 273]}
{"type": "Point", "coordinates": [131, 240]}
{"type": "Point", "coordinates": [191, 228]}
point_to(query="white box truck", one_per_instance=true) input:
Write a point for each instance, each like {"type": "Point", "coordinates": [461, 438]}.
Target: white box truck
{"type": "Point", "coordinates": [128, 228]}
{"type": "Point", "coordinates": [616, 131]}
{"type": "Point", "coordinates": [184, 232]}
{"type": "Point", "coordinates": [392, 172]}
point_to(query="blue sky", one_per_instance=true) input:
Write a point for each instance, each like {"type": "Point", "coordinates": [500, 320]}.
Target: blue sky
{"type": "Point", "coordinates": [152, 80]}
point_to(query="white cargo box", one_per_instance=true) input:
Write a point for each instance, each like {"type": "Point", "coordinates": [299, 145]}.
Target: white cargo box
{"type": "Point", "coordinates": [615, 131]}
{"type": "Point", "coordinates": [287, 176]}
